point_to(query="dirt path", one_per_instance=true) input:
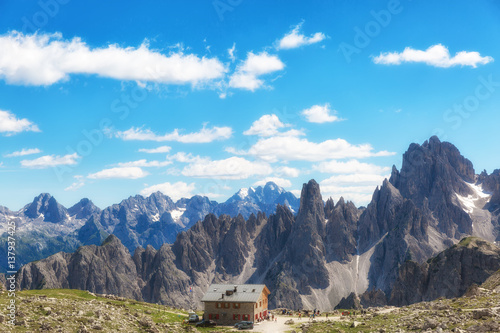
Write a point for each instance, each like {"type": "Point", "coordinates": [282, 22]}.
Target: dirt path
{"type": "Point", "coordinates": [279, 326]}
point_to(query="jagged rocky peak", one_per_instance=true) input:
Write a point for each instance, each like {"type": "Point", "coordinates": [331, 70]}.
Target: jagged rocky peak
{"type": "Point", "coordinates": [433, 161]}
{"type": "Point", "coordinates": [491, 184]}
{"type": "Point", "coordinates": [311, 202]}
{"type": "Point", "coordinates": [46, 205]}
{"type": "Point", "coordinates": [83, 209]}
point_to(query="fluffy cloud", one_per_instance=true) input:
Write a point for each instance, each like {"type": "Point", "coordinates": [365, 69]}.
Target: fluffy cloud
{"type": "Point", "coordinates": [278, 181]}
{"type": "Point", "coordinates": [203, 136]}
{"type": "Point", "coordinates": [119, 172]}
{"type": "Point", "coordinates": [287, 171]}
{"type": "Point", "coordinates": [144, 163]}
{"type": "Point", "coordinates": [10, 124]}
{"type": "Point", "coordinates": [44, 59]}
{"type": "Point", "coordinates": [24, 152]}
{"type": "Point", "coordinates": [436, 55]}
{"type": "Point", "coordinates": [320, 114]}
{"type": "Point", "coordinates": [162, 149]}
{"type": "Point", "coordinates": [266, 125]}
{"type": "Point", "coordinates": [352, 166]}
{"type": "Point", "coordinates": [230, 168]}
{"type": "Point", "coordinates": [289, 148]}
{"type": "Point", "coordinates": [255, 65]}
{"type": "Point", "coordinates": [295, 39]}
{"type": "Point", "coordinates": [175, 191]}
{"type": "Point", "coordinates": [48, 161]}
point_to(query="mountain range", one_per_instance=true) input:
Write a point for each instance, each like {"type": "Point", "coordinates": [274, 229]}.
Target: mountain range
{"type": "Point", "coordinates": [317, 257]}
{"type": "Point", "coordinates": [45, 227]}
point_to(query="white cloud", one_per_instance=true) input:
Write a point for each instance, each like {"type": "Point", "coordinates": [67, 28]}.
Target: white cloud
{"type": "Point", "coordinates": [266, 125]}
{"type": "Point", "coordinates": [24, 152]}
{"type": "Point", "coordinates": [185, 157]}
{"type": "Point", "coordinates": [289, 148]}
{"type": "Point", "coordinates": [144, 163]}
{"type": "Point", "coordinates": [436, 55]}
{"type": "Point", "coordinates": [295, 39]}
{"type": "Point", "coordinates": [360, 195]}
{"type": "Point", "coordinates": [320, 114]}
{"type": "Point", "coordinates": [230, 168]}
{"type": "Point", "coordinates": [119, 172]}
{"type": "Point", "coordinates": [247, 73]}
{"type": "Point", "coordinates": [287, 171]}
{"type": "Point", "coordinates": [203, 136]}
{"type": "Point", "coordinates": [77, 184]}
{"type": "Point", "coordinates": [175, 191]}
{"type": "Point", "coordinates": [359, 178]}
{"type": "Point", "coordinates": [282, 182]}
{"type": "Point", "coordinates": [357, 187]}
{"type": "Point", "coordinates": [352, 166]}
{"type": "Point", "coordinates": [48, 161]}
{"type": "Point", "coordinates": [10, 124]}
{"type": "Point", "coordinates": [44, 59]}
{"type": "Point", "coordinates": [231, 51]}
{"type": "Point", "coordinates": [162, 149]}
{"type": "Point", "coordinates": [296, 193]}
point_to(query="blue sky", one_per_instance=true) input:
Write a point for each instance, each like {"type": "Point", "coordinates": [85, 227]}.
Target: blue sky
{"type": "Point", "coordinates": [110, 99]}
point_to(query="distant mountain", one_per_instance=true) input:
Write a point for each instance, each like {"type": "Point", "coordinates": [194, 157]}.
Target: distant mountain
{"type": "Point", "coordinates": [264, 199]}
{"type": "Point", "coordinates": [45, 227]}
{"type": "Point", "coordinates": [323, 253]}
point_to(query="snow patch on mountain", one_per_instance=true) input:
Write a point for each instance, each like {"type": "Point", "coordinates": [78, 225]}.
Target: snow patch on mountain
{"type": "Point", "coordinates": [473, 201]}
{"type": "Point", "coordinates": [177, 214]}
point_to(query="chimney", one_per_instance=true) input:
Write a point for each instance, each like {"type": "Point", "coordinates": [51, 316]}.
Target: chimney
{"type": "Point", "coordinates": [222, 295]}
{"type": "Point", "coordinates": [235, 288]}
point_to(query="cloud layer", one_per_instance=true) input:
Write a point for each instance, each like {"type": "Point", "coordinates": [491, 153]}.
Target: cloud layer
{"type": "Point", "coordinates": [129, 172]}
{"type": "Point", "coordinates": [49, 161]}
{"type": "Point", "coordinates": [436, 55]}
{"type": "Point", "coordinates": [44, 59]}
{"type": "Point", "coordinates": [24, 152]}
{"type": "Point", "coordinates": [230, 168]}
{"type": "Point", "coordinates": [175, 191]}
{"type": "Point", "coordinates": [290, 148]}
{"type": "Point", "coordinates": [203, 136]}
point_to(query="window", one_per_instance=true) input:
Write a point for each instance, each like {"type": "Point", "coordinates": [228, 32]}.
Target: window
{"type": "Point", "coordinates": [217, 305]}
{"type": "Point", "coordinates": [226, 305]}
{"type": "Point", "coordinates": [217, 316]}
{"type": "Point", "coordinates": [236, 305]}
{"type": "Point", "coordinates": [256, 305]}
{"type": "Point", "coordinates": [256, 317]}
{"type": "Point", "coordinates": [237, 317]}
{"type": "Point", "coordinates": [260, 303]}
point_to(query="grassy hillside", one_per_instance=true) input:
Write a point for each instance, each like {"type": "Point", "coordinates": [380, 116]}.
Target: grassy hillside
{"type": "Point", "coordinates": [64, 310]}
